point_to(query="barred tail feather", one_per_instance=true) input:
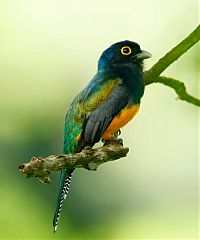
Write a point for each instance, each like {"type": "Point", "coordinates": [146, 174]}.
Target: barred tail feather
{"type": "Point", "coordinates": [65, 180]}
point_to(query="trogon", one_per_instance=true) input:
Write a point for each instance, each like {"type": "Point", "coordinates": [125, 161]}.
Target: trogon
{"type": "Point", "coordinates": [109, 101]}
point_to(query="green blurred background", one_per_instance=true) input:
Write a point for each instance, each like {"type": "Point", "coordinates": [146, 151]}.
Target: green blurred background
{"type": "Point", "coordinates": [48, 52]}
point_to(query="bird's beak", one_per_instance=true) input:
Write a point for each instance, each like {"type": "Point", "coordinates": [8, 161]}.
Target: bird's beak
{"type": "Point", "coordinates": [143, 55]}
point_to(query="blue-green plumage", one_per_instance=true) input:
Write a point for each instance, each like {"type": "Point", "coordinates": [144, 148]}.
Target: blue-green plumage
{"type": "Point", "coordinates": [118, 85]}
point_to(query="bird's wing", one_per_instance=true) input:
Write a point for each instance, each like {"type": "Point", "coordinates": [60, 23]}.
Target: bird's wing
{"type": "Point", "coordinates": [97, 121]}
{"type": "Point", "coordinates": [95, 93]}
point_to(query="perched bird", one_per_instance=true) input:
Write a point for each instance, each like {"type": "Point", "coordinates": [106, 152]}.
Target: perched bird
{"type": "Point", "coordinates": [109, 101]}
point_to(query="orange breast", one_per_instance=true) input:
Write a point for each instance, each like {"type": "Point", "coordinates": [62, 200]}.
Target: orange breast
{"type": "Point", "coordinates": [121, 120]}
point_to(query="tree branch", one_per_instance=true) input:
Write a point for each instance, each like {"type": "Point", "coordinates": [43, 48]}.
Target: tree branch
{"type": "Point", "coordinates": [171, 56]}
{"type": "Point", "coordinates": [89, 159]}
{"type": "Point", "coordinates": [179, 88]}
{"type": "Point", "coordinates": [153, 74]}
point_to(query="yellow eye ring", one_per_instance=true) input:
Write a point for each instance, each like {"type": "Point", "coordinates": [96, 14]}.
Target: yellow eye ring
{"type": "Point", "coordinates": [126, 50]}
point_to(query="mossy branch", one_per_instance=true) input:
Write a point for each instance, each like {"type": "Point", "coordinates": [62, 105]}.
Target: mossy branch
{"type": "Point", "coordinates": [171, 56]}
{"type": "Point", "coordinates": [153, 74]}
{"type": "Point", "coordinates": [91, 158]}
{"type": "Point", "coordinates": [179, 88]}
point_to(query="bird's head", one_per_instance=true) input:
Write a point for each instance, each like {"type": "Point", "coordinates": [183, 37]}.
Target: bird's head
{"type": "Point", "coordinates": [124, 52]}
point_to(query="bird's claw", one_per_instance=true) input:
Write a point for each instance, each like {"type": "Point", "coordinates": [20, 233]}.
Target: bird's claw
{"type": "Point", "coordinates": [117, 133]}
{"type": "Point", "coordinates": [113, 140]}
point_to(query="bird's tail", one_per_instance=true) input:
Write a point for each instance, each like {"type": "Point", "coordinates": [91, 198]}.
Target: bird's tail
{"type": "Point", "coordinates": [65, 180]}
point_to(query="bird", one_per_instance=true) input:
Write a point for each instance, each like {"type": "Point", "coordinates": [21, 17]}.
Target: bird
{"type": "Point", "coordinates": [108, 102]}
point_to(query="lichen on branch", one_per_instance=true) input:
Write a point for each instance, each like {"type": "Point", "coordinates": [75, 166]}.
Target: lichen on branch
{"type": "Point", "coordinates": [89, 159]}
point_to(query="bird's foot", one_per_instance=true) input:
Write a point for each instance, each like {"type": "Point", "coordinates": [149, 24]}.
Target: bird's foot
{"type": "Point", "coordinates": [113, 140]}
{"type": "Point", "coordinates": [117, 133]}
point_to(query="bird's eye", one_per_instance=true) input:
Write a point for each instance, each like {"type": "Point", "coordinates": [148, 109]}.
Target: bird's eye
{"type": "Point", "coordinates": [126, 50]}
